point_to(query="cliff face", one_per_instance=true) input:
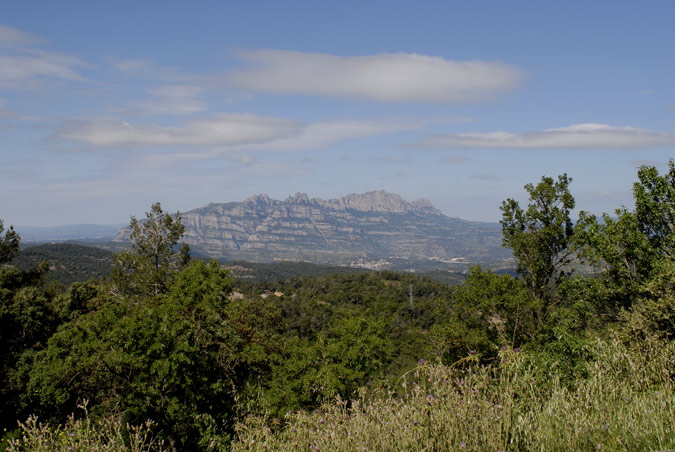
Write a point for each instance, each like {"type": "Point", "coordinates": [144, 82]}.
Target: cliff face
{"type": "Point", "coordinates": [359, 226]}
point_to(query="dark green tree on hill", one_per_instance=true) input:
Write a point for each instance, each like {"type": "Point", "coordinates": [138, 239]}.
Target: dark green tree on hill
{"type": "Point", "coordinates": [9, 244]}
{"type": "Point", "coordinates": [147, 268]}
{"type": "Point", "coordinates": [635, 252]}
{"type": "Point", "coordinates": [541, 236]}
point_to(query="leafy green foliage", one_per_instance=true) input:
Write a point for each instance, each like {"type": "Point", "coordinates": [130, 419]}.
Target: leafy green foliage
{"type": "Point", "coordinates": [636, 249]}
{"type": "Point", "coordinates": [68, 262]}
{"type": "Point", "coordinates": [541, 236]}
{"type": "Point", "coordinates": [620, 250]}
{"type": "Point", "coordinates": [146, 268]}
{"type": "Point", "coordinates": [655, 207]}
{"type": "Point", "coordinates": [29, 315]}
{"type": "Point", "coordinates": [490, 312]}
{"type": "Point", "coordinates": [654, 312]}
{"type": "Point", "coordinates": [178, 360]}
{"type": "Point", "coordinates": [9, 244]}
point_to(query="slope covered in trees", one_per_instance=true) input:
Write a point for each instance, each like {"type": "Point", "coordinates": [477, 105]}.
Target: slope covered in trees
{"type": "Point", "coordinates": [549, 360]}
{"type": "Point", "coordinates": [68, 262]}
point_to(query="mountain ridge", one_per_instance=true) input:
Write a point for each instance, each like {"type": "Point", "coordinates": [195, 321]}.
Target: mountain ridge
{"type": "Point", "coordinates": [352, 230]}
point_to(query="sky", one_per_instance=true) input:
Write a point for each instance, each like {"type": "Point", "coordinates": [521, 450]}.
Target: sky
{"type": "Point", "coordinates": [108, 107]}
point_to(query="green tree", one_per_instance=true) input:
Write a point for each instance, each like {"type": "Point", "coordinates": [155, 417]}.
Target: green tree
{"type": "Point", "coordinates": [29, 315]}
{"type": "Point", "coordinates": [655, 208]}
{"type": "Point", "coordinates": [490, 311]}
{"type": "Point", "coordinates": [146, 269]}
{"type": "Point", "coordinates": [653, 314]}
{"type": "Point", "coordinates": [630, 246]}
{"type": "Point", "coordinates": [9, 244]}
{"type": "Point", "coordinates": [352, 352]}
{"type": "Point", "coordinates": [617, 247]}
{"type": "Point", "coordinates": [179, 359]}
{"type": "Point", "coordinates": [541, 236]}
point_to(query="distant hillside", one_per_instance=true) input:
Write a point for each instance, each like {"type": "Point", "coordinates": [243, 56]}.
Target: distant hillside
{"type": "Point", "coordinates": [92, 232]}
{"type": "Point", "coordinates": [376, 230]}
{"type": "Point", "coordinates": [71, 262]}
{"type": "Point", "coordinates": [68, 262]}
{"type": "Point", "coordinates": [259, 272]}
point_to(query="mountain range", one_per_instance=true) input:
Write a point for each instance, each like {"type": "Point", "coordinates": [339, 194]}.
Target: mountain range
{"type": "Point", "coordinates": [370, 229]}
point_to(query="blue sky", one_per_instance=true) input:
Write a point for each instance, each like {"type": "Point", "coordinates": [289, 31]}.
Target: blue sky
{"type": "Point", "coordinates": [107, 107]}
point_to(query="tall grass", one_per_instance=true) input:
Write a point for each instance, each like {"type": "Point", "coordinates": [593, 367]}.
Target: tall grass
{"type": "Point", "coordinates": [624, 402]}
{"type": "Point", "coordinates": [84, 435]}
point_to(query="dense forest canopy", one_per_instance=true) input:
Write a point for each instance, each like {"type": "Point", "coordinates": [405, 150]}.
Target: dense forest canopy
{"type": "Point", "coordinates": [217, 363]}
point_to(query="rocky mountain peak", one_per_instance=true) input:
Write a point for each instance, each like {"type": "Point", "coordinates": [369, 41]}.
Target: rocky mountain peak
{"type": "Point", "coordinates": [385, 202]}
{"type": "Point", "coordinates": [379, 201]}
{"type": "Point", "coordinates": [299, 198]}
{"type": "Point", "coordinates": [376, 225]}
{"type": "Point", "coordinates": [261, 199]}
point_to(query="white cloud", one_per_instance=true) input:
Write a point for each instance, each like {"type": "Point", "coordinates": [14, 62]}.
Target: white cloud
{"type": "Point", "coordinates": [175, 100]}
{"type": "Point", "coordinates": [226, 133]}
{"type": "Point", "coordinates": [146, 68]}
{"type": "Point", "coordinates": [8, 114]}
{"type": "Point", "coordinates": [323, 134]}
{"type": "Point", "coordinates": [398, 77]}
{"type": "Point", "coordinates": [217, 130]}
{"type": "Point", "coordinates": [579, 136]}
{"type": "Point", "coordinates": [21, 64]}
{"type": "Point", "coordinates": [11, 37]}
{"type": "Point", "coordinates": [20, 71]}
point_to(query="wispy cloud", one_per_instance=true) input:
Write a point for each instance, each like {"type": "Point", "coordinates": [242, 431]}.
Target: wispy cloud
{"type": "Point", "coordinates": [216, 130]}
{"type": "Point", "coordinates": [9, 114]}
{"type": "Point", "coordinates": [326, 133]}
{"type": "Point", "coordinates": [579, 136]}
{"type": "Point", "coordinates": [19, 71]}
{"type": "Point", "coordinates": [397, 77]}
{"type": "Point", "coordinates": [148, 69]}
{"type": "Point", "coordinates": [175, 100]}
{"type": "Point", "coordinates": [11, 37]}
{"type": "Point", "coordinates": [21, 63]}
{"type": "Point", "coordinates": [224, 132]}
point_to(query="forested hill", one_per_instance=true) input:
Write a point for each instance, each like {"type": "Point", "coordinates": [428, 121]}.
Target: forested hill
{"type": "Point", "coordinates": [68, 262]}
{"type": "Point", "coordinates": [73, 262]}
